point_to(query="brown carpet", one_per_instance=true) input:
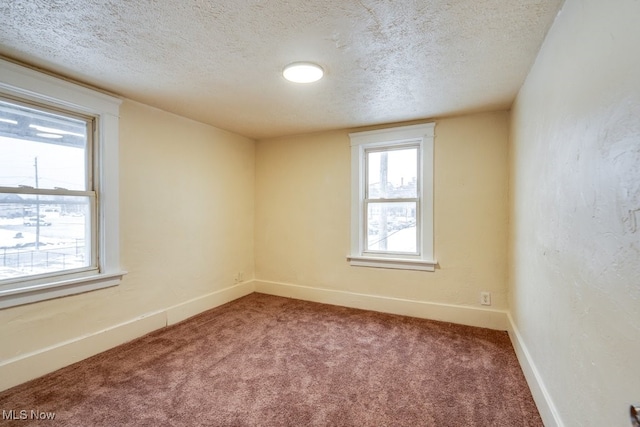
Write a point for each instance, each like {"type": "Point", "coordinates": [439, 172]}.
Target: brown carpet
{"type": "Point", "coordinates": [270, 361]}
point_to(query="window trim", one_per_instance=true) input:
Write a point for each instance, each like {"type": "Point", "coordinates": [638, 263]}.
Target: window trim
{"type": "Point", "coordinates": [361, 142]}
{"type": "Point", "coordinates": [30, 85]}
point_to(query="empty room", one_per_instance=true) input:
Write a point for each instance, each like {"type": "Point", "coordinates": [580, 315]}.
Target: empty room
{"type": "Point", "coordinates": [345, 213]}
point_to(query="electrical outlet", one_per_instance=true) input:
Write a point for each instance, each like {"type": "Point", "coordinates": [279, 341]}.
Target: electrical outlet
{"type": "Point", "coordinates": [485, 298]}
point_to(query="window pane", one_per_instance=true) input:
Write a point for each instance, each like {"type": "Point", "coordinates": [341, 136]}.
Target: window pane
{"type": "Point", "coordinates": [40, 149]}
{"type": "Point", "coordinates": [392, 174]}
{"type": "Point", "coordinates": [391, 227]}
{"type": "Point", "coordinates": [43, 234]}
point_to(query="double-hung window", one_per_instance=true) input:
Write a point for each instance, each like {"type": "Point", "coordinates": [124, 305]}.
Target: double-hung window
{"type": "Point", "coordinates": [392, 198]}
{"type": "Point", "coordinates": [58, 187]}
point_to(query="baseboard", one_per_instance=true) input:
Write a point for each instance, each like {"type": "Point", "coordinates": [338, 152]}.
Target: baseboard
{"type": "Point", "coordinates": [190, 308]}
{"type": "Point", "coordinates": [492, 319]}
{"type": "Point", "coordinates": [541, 396]}
{"type": "Point", "coordinates": [43, 361]}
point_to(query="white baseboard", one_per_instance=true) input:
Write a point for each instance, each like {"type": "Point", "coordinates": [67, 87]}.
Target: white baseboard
{"type": "Point", "coordinates": [541, 396]}
{"type": "Point", "coordinates": [43, 361]}
{"type": "Point", "coordinates": [484, 318]}
{"type": "Point", "coordinates": [190, 308]}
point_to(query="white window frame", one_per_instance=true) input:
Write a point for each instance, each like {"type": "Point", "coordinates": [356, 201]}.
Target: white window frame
{"type": "Point", "coordinates": [27, 84]}
{"type": "Point", "coordinates": [423, 135]}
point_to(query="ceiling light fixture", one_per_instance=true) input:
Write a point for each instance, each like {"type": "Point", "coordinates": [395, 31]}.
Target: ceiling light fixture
{"type": "Point", "coordinates": [303, 72]}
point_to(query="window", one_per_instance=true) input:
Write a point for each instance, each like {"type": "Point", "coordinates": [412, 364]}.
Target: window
{"type": "Point", "coordinates": [392, 198]}
{"type": "Point", "coordinates": [58, 187]}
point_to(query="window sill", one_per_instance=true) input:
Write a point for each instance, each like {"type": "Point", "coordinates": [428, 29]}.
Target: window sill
{"type": "Point", "coordinates": [45, 291]}
{"type": "Point", "coordinates": [394, 263]}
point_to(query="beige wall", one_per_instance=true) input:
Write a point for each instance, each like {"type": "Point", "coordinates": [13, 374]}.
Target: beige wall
{"type": "Point", "coordinates": [575, 209]}
{"type": "Point", "coordinates": [303, 215]}
{"type": "Point", "coordinates": [186, 217]}
{"type": "Point", "coordinates": [187, 203]}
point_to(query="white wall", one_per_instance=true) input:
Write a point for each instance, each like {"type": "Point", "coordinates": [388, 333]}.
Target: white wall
{"type": "Point", "coordinates": [186, 216]}
{"type": "Point", "coordinates": [303, 222]}
{"type": "Point", "coordinates": [575, 213]}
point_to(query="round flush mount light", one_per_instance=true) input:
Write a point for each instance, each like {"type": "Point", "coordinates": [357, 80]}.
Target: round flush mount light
{"type": "Point", "coordinates": [303, 72]}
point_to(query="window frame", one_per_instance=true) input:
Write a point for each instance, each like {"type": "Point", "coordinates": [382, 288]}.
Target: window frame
{"type": "Point", "coordinates": [367, 199]}
{"type": "Point", "coordinates": [423, 136]}
{"type": "Point", "coordinates": [30, 86]}
{"type": "Point", "coordinates": [88, 190]}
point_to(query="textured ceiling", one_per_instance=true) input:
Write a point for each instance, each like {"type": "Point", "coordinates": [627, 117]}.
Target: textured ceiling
{"type": "Point", "coordinates": [220, 62]}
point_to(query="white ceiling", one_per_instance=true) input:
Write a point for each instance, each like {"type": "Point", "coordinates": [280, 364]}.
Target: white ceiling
{"type": "Point", "coordinates": [220, 62]}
